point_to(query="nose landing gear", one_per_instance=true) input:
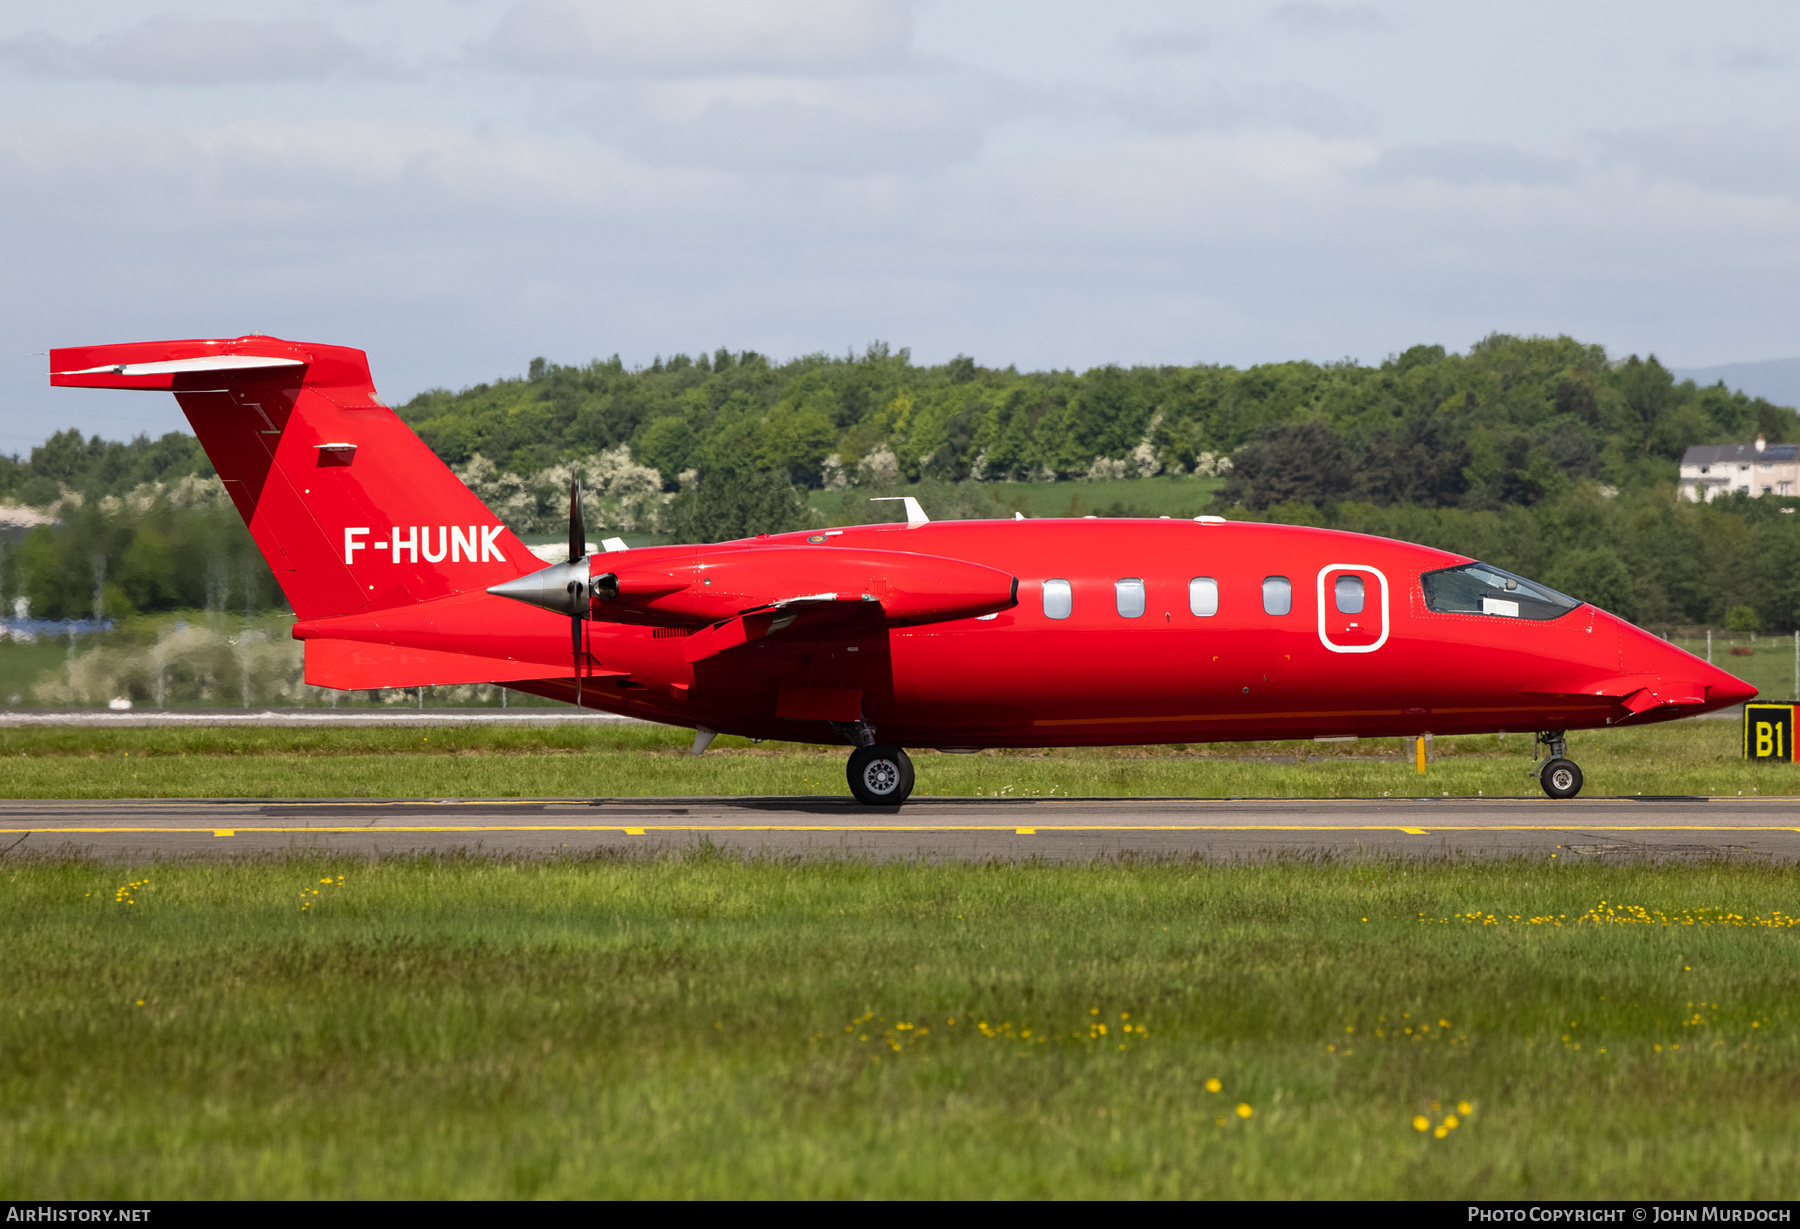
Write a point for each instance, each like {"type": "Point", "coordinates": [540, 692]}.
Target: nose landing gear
{"type": "Point", "coordinates": [1557, 773]}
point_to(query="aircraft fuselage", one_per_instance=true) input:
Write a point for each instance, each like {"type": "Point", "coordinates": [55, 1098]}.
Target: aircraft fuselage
{"type": "Point", "coordinates": [1159, 672]}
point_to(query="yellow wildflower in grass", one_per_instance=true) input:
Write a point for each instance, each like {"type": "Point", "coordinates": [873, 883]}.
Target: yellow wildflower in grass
{"type": "Point", "coordinates": [1244, 1110]}
{"type": "Point", "coordinates": [1607, 913]}
{"type": "Point", "coordinates": [1464, 1108]}
{"type": "Point", "coordinates": [1213, 1085]}
{"type": "Point", "coordinates": [1421, 1123]}
{"type": "Point", "coordinates": [1441, 1132]}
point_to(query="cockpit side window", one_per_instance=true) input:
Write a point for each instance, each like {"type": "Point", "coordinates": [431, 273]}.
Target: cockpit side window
{"type": "Point", "coordinates": [1480, 588]}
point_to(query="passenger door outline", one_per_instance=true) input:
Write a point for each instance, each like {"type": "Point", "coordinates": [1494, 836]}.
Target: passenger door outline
{"type": "Point", "coordinates": [1386, 623]}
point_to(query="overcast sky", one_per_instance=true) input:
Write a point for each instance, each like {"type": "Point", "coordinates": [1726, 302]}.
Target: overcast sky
{"type": "Point", "coordinates": [460, 185]}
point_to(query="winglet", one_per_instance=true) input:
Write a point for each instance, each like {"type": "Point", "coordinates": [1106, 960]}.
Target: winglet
{"type": "Point", "coordinates": [915, 515]}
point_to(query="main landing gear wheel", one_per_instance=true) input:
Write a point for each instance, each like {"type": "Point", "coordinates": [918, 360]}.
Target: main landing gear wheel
{"type": "Point", "coordinates": [1560, 778]}
{"type": "Point", "coordinates": [880, 775]}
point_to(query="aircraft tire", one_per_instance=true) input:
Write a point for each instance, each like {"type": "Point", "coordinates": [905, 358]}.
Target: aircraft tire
{"type": "Point", "coordinates": [881, 775]}
{"type": "Point", "coordinates": [1560, 778]}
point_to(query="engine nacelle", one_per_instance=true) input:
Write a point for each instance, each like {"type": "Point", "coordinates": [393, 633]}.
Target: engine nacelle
{"type": "Point", "coordinates": [699, 586]}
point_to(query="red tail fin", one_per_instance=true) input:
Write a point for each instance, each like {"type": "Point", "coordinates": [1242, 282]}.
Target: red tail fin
{"type": "Point", "coordinates": [348, 506]}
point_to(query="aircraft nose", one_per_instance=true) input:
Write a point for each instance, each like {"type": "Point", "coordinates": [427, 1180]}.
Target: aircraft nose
{"type": "Point", "coordinates": [1728, 688]}
{"type": "Point", "coordinates": [1651, 654]}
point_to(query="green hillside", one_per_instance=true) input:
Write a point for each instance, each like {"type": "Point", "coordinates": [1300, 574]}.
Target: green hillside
{"type": "Point", "coordinates": [1512, 421]}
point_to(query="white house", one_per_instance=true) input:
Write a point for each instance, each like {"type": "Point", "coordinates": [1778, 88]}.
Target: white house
{"type": "Point", "coordinates": [1711, 470]}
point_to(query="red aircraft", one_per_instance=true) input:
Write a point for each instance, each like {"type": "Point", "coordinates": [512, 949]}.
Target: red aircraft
{"type": "Point", "coordinates": [954, 635]}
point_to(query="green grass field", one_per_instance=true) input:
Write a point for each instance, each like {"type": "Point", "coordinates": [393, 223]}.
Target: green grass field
{"type": "Point", "coordinates": [1691, 757]}
{"type": "Point", "coordinates": [713, 1027]}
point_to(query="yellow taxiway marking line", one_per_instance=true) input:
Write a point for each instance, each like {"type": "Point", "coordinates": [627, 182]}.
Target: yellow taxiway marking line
{"type": "Point", "coordinates": [1003, 828]}
{"type": "Point", "coordinates": [734, 800]}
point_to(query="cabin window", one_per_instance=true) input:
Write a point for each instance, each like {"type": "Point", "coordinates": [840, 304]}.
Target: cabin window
{"type": "Point", "coordinates": [1349, 593]}
{"type": "Point", "coordinates": [1129, 593]}
{"type": "Point", "coordinates": [1278, 595]}
{"type": "Point", "coordinates": [1203, 596]}
{"type": "Point", "coordinates": [1059, 599]}
{"type": "Point", "coordinates": [1478, 588]}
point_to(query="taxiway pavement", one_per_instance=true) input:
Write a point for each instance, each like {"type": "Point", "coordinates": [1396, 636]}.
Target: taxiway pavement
{"type": "Point", "coordinates": [932, 828]}
{"type": "Point", "coordinates": [304, 718]}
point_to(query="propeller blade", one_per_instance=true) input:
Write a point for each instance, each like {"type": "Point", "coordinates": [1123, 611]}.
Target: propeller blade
{"type": "Point", "coordinates": [577, 590]}
{"type": "Point", "coordinates": [577, 523]}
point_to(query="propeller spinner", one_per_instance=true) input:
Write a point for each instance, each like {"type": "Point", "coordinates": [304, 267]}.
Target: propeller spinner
{"type": "Point", "coordinates": [562, 587]}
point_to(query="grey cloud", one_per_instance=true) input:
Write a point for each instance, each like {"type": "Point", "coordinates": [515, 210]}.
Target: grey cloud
{"type": "Point", "coordinates": [613, 38]}
{"type": "Point", "coordinates": [1758, 162]}
{"type": "Point", "coordinates": [1761, 162]}
{"type": "Point", "coordinates": [1280, 106]}
{"type": "Point", "coordinates": [1160, 44]}
{"type": "Point", "coordinates": [178, 51]}
{"type": "Point", "coordinates": [1752, 60]}
{"type": "Point", "coordinates": [1470, 162]}
{"type": "Point", "coordinates": [870, 126]}
{"type": "Point", "coordinates": [1304, 17]}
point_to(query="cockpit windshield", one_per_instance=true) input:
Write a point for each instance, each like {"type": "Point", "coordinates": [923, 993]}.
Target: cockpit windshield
{"type": "Point", "coordinates": [1480, 588]}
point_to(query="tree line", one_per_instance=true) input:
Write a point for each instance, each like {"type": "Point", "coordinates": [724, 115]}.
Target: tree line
{"type": "Point", "coordinates": [1511, 421]}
